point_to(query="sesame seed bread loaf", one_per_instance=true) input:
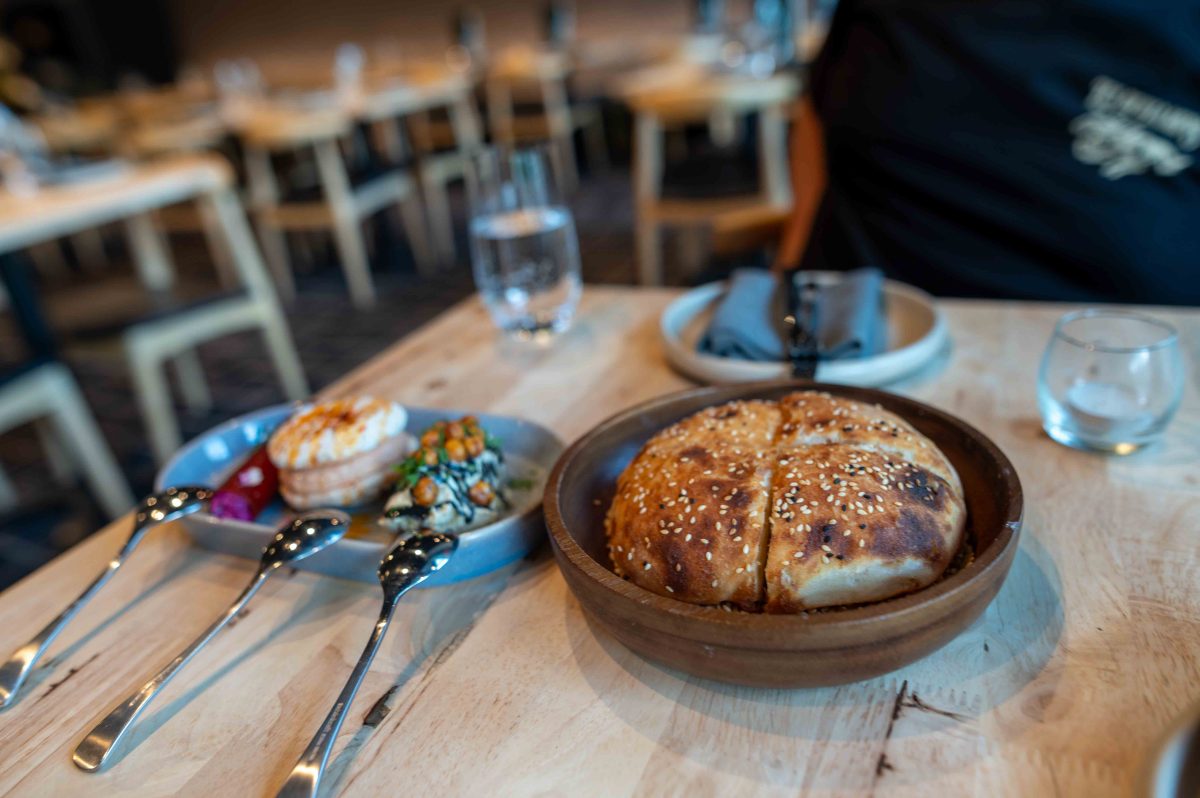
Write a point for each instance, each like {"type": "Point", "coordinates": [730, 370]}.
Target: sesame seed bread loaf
{"type": "Point", "coordinates": [836, 502]}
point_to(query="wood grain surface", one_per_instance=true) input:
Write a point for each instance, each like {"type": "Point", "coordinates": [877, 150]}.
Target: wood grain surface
{"type": "Point", "coordinates": [498, 686]}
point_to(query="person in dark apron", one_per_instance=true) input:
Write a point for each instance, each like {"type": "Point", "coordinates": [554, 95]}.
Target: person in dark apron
{"type": "Point", "coordinates": [1030, 150]}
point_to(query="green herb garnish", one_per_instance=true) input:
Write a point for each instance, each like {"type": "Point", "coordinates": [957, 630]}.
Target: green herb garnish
{"type": "Point", "coordinates": [520, 484]}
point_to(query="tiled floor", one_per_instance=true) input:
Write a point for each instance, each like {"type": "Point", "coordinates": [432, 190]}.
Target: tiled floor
{"type": "Point", "coordinates": [331, 337]}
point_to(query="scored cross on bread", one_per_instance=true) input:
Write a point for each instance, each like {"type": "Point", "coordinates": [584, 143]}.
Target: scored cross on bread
{"type": "Point", "coordinates": [812, 501]}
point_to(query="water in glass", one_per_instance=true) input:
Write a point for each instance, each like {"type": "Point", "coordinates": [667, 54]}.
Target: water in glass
{"type": "Point", "coordinates": [524, 249]}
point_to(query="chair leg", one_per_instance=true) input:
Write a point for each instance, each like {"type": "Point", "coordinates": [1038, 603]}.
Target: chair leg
{"type": "Point", "coordinates": [433, 188]}
{"type": "Point", "coordinates": [153, 396]}
{"type": "Point", "coordinates": [275, 253]}
{"type": "Point", "coordinates": [649, 251]}
{"type": "Point", "coordinates": [74, 422]}
{"type": "Point", "coordinates": [283, 355]}
{"type": "Point", "coordinates": [89, 249]}
{"type": "Point", "coordinates": [569, 165]}
{"type": "Point", "coordinates": [61, 468]}
{"type": "Point", "coordinates": [218, 250]}
{"type": "Point", "coordinates": [192, 385]}
{"type": "Point", "coordinates": [150, 253]}
{"type": "Point", "coordinates": [595, 145]}
{"type": "Point", "coordinates": [347, 236]}
{"type": "Point", "coordinates": [48, 259]}
{"type": "Point", "coordinates": [275, 329]}
{"type": "Point", "coordinates": [413, 220]}
{"type": "Point", "coordinates": [8, 493]}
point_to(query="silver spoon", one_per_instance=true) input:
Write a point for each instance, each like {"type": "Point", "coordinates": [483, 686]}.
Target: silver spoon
{"type": "Point", "coordinates": [304, 536]}
{"type": "Point", "coordinates": [409, 563]}
{"type": "Point", "coordinates": [169, 505]}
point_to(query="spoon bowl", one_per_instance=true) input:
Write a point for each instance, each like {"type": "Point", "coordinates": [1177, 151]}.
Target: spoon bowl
{"type": "Point", "coordinates": [171, 504]}
{"type": "Point", "coordinates": [305, 536]}
{"type": "Point", "coordinates": [420, 554]}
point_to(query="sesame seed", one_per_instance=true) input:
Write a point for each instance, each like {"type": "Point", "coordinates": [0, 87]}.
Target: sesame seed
{"type": "Point", "coordinates": [708, 555]}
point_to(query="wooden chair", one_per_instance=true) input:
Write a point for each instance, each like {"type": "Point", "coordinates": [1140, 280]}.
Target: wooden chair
{"type": "Point", "coordinates": [699, 101]}
{"type": "Point", "coordinates": [45, 393]}
{"type": "Point", "coordinates": [173, 337]}
{"type": "Point", "coordinates": [541, 77]}
{"type": "Point", "coordinates": [341, 203]}
{"type": "Point", "coordinates": [443, 158]}
{"type": "Point", "coordinates": [155, 137]}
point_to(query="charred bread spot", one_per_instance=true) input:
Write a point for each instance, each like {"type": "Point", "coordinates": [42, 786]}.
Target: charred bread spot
{"type": "Point", "coordinates": [701, 455]}
{"type": "Point", "coordinates": [915, 534]}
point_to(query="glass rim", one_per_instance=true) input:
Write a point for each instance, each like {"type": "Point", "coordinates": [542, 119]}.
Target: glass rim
{"type": "Point", "coordinates": [1170, 334]}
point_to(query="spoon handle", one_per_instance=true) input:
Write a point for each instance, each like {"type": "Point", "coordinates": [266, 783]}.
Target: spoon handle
{"type": "Point", "coordinates": [94, 751]}
{"type": "Point", "coordinates": [306, 776]}
{"type": "Point", "coordinates": [14, 672]}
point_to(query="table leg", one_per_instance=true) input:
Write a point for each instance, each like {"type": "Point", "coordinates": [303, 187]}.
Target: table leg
{"type": "Point", "coordinates": [26, 307]}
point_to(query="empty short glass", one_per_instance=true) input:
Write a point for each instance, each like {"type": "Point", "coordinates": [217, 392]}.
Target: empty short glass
{"type": "Point", "coordinates": [524, 250]}
{"type": "Point", "coordinates": [1110, 380]}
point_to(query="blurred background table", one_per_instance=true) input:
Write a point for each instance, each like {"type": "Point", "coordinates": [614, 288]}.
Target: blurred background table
{"type": "Point", "coordinates": [1086, 654]}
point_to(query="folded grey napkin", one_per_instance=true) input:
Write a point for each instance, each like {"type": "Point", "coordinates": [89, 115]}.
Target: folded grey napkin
{"type": "Point", "coordinates": [749, 321]}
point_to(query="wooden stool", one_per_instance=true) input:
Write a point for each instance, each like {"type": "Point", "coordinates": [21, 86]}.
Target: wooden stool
{"type": "Point", "coordinates": [701, 101]}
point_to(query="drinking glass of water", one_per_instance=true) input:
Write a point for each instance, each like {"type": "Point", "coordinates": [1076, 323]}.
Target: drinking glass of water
{"type": "Point", "coordinates": [524, 250]}
{"type": "Point", "coordinates": [1110, 380]}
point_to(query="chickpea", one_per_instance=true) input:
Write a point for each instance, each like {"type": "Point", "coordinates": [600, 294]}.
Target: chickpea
{"type": "Point", "coordinates": [454, 430]}
{"type": "Point", "coordinates": [429, 456]}
{"type": "Point", "coordinates": [425, 492]}
{"type": "Point", "coordinates": [455, 450]}
{"type": "Point", "coordinates": [475, 445]}
{"type": "Point", "coordinates": [481, 494]}
{"type": "Point", "coordinates": [431, 438]}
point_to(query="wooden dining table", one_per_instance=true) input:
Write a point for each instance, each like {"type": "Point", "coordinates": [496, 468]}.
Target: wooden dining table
{"type": "Point", "coordinates": [499, 685]}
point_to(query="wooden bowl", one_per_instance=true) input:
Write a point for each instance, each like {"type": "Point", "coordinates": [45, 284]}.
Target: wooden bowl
{"type": "Point", "coordinates": [806, 650]}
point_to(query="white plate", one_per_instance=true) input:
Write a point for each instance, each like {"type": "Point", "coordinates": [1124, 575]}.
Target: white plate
{"type": "Point", "coordinates": [916, 334]}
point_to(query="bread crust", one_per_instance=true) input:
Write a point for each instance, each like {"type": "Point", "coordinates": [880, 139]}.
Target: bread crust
{"type": "Point", "coordinates": [687, 518]}
{"type": "Point", "coordinates": [739, 504]}
{"type": "Point", "coordinates": [851, 525]}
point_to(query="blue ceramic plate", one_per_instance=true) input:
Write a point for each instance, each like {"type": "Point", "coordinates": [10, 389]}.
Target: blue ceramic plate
{"type": "Point", "coordinates": [530, 451]}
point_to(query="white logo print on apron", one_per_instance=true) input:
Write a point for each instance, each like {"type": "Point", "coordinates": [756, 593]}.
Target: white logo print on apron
{"type": "Point", "coordinates": [1125, 131]}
